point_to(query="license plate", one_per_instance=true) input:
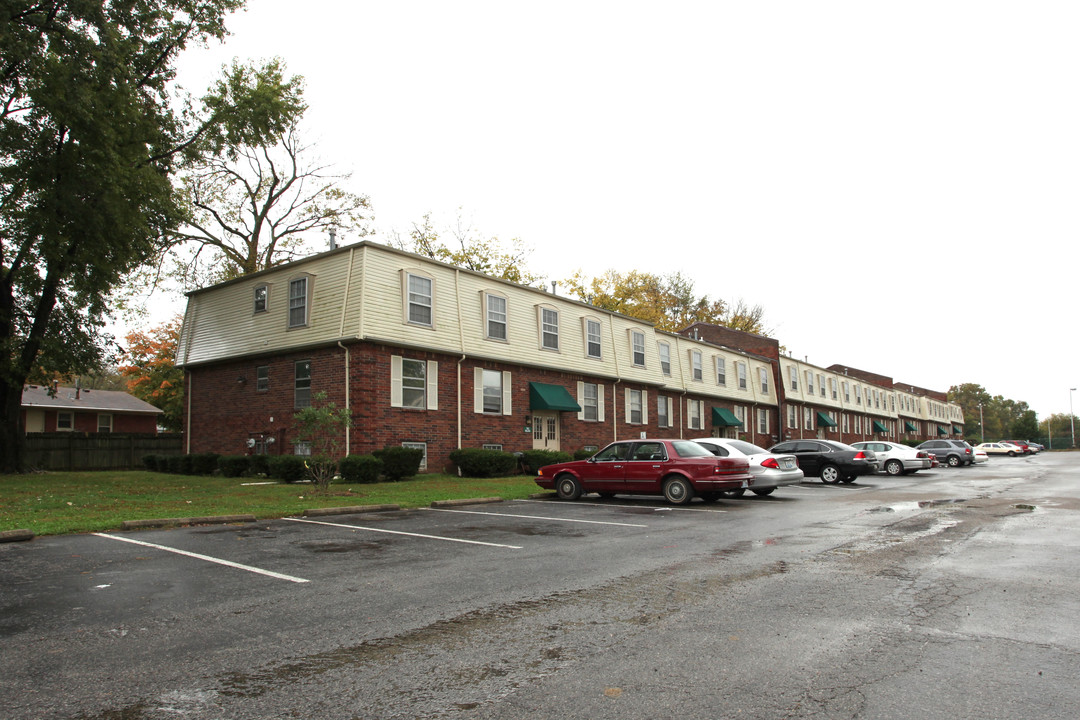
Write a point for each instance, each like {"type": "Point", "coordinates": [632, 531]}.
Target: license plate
{"type": "Point", "coordinates": [745, 484]}
{"type": "Point", "coordinates": [787, 464]}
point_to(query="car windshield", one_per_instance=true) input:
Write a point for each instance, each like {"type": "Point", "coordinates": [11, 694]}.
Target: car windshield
{"type": "Point", "coordinates": [688, 448]}
{"type": "Point", "coordinates": [747, 448]}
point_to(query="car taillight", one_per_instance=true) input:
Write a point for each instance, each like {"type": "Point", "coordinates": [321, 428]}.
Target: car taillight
{"type": "Point", "coordinates": [967, 450]}
{"type": "Point", "coordinates": [860, 455]}
{"type": "Point", "coordinates": [770, 463]}
{"type": "Point", "coordinates": [921, 455]}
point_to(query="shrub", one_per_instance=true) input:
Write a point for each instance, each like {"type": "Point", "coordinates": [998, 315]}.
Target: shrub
{"type": "Point", "coordinates": [161, 463]}
{"type": "Point", "coordinates": [400, 462]}
{"type": "Point", "coordinates": [233, 465]}
{"type": "Point", "coordinates": [477, 462]}
{"type": "Point", "coordinates": [259, 464]}
{"type": "Point", "coordinates": [289, 468]}
{"type": "Point", "coordinates": [536, 459]}
{"type": "Point", "coordinates": [150, 462]}
{"type": "Point", "coordinates": [176, 464]}
{"type": "Point", "coordinates": [360, 469]}
{"type": "Point", "coordinates": [204, 463]}
{"type": "Point", "coordinates": [584, 454]}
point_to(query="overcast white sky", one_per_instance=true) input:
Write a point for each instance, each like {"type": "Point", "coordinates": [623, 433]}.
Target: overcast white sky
{"type": "Point", "coordinates": [896, 183]}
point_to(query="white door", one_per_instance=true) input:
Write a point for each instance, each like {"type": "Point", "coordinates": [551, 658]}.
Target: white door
{"type": "Point", "coordinates": [545, 429]}
{"type": "Point", "coordinates": [35, 421]}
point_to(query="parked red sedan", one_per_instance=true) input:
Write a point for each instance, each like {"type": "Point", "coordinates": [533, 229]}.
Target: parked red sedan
{"type": "Point", "coordinates": [676, 469]}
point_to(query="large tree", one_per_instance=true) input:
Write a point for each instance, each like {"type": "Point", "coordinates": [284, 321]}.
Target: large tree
{"type": "Point", "coordinates": [252, 206]}
{"type": "Point", "coordinates": [89, 139]}
{"type": "Point", "coordinates": [668, 301]}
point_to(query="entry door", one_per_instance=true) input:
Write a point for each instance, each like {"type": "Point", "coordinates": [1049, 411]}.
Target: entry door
{"type": "Point", "coordinates": [35, 421]}
{"type": "Point", "coordinates": [545, 431]}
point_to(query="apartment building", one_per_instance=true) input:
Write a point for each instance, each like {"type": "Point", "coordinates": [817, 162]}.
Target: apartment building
{"type": "Point", "coordinates": [432, 356]}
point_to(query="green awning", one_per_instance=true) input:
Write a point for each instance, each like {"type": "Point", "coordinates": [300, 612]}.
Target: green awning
{"type": "Point", "coordinates": [722, 417]}
{"type": "Point", "coordinates": [823, 419]}
{"type": "Point", "coordinates": [957, 430]}
{"type": "Point", "coordinates": [910, 426]}
{"type": "Point", "coordinates": [551, 397]}
{"type": "Point", "coordinates": [880, 427]}
{"type": "Point", "coordinates": [941, 430]}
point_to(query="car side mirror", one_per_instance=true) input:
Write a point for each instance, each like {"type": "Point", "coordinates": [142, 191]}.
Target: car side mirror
{"type": "Point", "coordinates": [592, 460]}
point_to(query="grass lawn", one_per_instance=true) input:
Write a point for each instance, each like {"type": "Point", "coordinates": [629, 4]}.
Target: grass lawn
{"type": "Point", "coordinates": [54, 503]}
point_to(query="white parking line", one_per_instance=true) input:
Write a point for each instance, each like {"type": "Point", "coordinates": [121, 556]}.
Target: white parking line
{"type": "Point", "coordinates": [398, 532]}
{"type": "Point", "coordinates": [207, 558]}
{"type": "Point", "coordinates": [535, 517]}
{"type": "Point", "coordinates": [667, 508]}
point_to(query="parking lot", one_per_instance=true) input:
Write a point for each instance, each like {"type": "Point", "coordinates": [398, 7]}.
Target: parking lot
{"type": "Point", "coordinates": [237, 620]}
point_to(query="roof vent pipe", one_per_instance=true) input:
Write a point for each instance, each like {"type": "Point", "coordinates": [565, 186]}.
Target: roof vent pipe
{"type": "Point", "coordinates": [333, 238]}
{"type": "Point", "coordinates": [553, 285]}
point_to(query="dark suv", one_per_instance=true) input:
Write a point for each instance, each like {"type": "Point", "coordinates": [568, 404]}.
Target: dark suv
{"type": "Point", "coordinates": [953, 452]}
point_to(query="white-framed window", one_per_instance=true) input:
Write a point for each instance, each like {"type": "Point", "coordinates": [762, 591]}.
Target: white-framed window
{"type": "Point", "coordinates": [695, 365]}
{"type": "Point", "coordinates": [637, 348]}
{"type": "Point", "coordinates": [740, 415]}
{"type": "Point", "coordinates": [262, 298]}
{"type": "Point", "coordinates": [809, 382]}
{"type": "Point", "coordinates": [808, 418]}
{"type": "Point", "coordinates": [858, 424]}
{"type": "Point", "coordinates": [844, 422]}
{"type": "Point", "coordinates": [877, 399]}
{"type": "Point", "coordinates": [740, 370]}
{"type": "Point", "coordinates": [262, 378]}
{"type": "Point", "coordinates": [792, 417]}
{"type": "Point", "coordinates": [495, 315]}
{"type": "Point", "coordinates": [763, 378]}
{"type": "Point", "coordinates": [302, 448]}
{"type": "Point", "coordinates": [589, 399]}
{"type": "Point", "coordinates": [409, 383]}
{"type": "Point", "coordinates": [492, 446]}
{"type": "Point", "coordinates": [832, 387]}
{"type": "Point", "coordinates": [665, 357]}
{"type": "Point", "coordinates": [104, 422]}
{"type": "Point", "coordinates": [549, 328]}
{"type": "Point", "coordinates": [793, 374]}
{"type": "Point", "coordinates": [858, 396]}
{"type": "Point", "coordinates": [847, 392]}
{"type": "Point", "coordinates": [593, 346]}
{"type": "Point", "coordinates": [65, 421]}
{"type": "Point", "coordinates": [821, 384]}
{"type": "Point", "coordinates": [635, 406]}
{"type": "Point", "coordinates": [663, 411]}
{"type": "Point", "coordinates": [419, 300]}
{"type": "Point", "coordinates": [491, 392]}
{"type": "Point", "coordinates": [299, 301]}
{"type": "Point", "coordinates": [694, 411]}
{"type": "Point", "coordinates": [302, 384]}
{"type": "Point", "coordinates": [418, 446]}
{"type": "Point", "coordinates": [721, 371]}
{"type": "Point", "coordinates": [763, 421]}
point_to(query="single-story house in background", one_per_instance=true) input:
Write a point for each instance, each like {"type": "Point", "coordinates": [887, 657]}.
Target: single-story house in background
{"type": "Point", "coordinates": [70, 409]}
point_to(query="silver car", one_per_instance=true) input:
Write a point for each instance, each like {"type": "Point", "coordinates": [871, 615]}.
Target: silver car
{"type": "Point", "coordinates": [896, 459]}
{"type": "Point", "coordinates": [770, 471]}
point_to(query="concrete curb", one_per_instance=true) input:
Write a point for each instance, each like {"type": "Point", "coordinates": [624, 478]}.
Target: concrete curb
{"type": "Point", "coordinates": [464, 501]}
{"type": "Point", "coordinates": [317, 512]}
{"type": "Point", "coordinates": [16, 535]}
{"type": "Point", "coordinates": [167, 522]}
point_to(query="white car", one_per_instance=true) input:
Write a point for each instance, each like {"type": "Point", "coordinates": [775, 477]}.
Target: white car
{"type": "Point", "coordinates": [770, 471]}
{"type": "Point", "coordinates": [978, 455]}
{"type": "Point", "coordinates": [1000, 449]}
{"type": "Point", "coordinates": [896, 459]}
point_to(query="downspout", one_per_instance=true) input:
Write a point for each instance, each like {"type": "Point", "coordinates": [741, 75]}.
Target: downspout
{"type": "Point", "coordinates": [682, 396]}
{"type": "Point", "coordinates": [341, 333]}
{"type": "Point", "coordinates": [461, 343]}
{"type": "Point", "coordinates": [615, 387]}
{"type": "Point", "coordinates": [187, 420]}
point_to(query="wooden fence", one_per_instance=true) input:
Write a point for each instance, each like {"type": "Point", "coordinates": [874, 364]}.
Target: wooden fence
{"type": "Point", "coordinates": [97, 451]}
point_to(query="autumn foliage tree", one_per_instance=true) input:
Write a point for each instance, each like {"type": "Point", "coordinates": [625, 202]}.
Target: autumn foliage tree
{"type": "Point", "coordinates": [151, 373]}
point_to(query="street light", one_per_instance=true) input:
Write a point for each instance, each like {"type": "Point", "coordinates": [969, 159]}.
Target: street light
{"type": "Point", "coordinates": [982, 429]}
{"type": "Point", "coordinates": [1072, 421]}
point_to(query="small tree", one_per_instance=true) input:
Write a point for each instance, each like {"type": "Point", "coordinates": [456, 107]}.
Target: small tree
{"type": "Point", "coordinates": [322, 425]}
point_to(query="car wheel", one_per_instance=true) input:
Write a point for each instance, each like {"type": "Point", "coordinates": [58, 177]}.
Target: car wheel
{"type": "Point", "coordinates": [678, 491]}
{"type": "Point", "coordinates": [830, 474]}
{"type": "Point", "coordinates": [894, 467]}
{"type": "Point", "coordinates": [764, 492]}
{"type": "Point", "coordinates": [1012, 454]}
{"type": "Point", "coordinates": [733, 493]}
{"type": "Point", "coordinates": [567, 487]}
{"type": "Point", "coordinates": [954, 461]}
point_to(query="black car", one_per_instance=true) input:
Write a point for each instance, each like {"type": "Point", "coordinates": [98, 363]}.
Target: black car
{"type": "Point", "coordinates": [832, 461]}
{"type": "Point", "coordinates": [953, 452]}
